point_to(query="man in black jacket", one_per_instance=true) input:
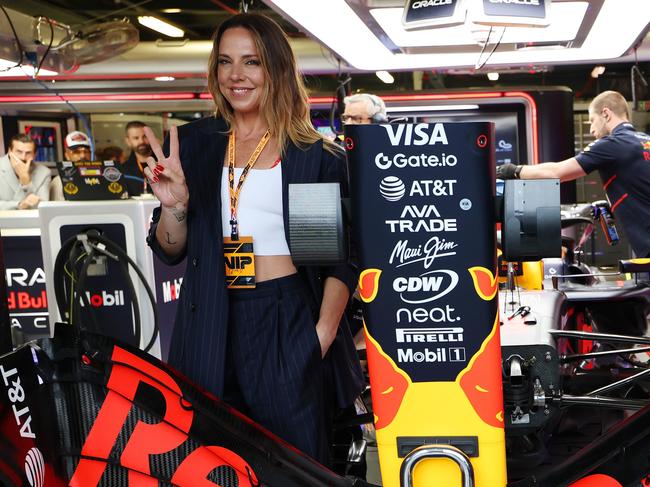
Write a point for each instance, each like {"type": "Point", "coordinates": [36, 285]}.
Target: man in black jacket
{"type": "Point", "coordinates": [136, 140]}
{"type": "Point", "coordinates": [622, 157]}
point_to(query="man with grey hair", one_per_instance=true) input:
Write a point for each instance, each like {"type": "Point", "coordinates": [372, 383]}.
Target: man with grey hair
{"type": "Point", "coordinates": [363, 108]}
{"type": "Point", "coordinates": [622, 157]}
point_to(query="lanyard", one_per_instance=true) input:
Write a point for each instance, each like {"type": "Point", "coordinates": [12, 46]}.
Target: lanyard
{"type": "Point", "coordinates": [234, 193]}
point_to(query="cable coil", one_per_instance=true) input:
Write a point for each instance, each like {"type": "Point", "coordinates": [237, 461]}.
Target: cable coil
{"type": "Point", "coordinates": [70, 274]}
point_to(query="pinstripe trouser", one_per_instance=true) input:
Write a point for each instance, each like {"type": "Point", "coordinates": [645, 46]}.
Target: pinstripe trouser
{"type": "Point", "coordinates": [274, 370]}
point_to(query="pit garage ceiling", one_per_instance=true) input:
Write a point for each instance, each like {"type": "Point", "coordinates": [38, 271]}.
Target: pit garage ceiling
{"type": "Point", "coordinates": [362, 35]}
{"type": "Point", "coordinates": [370, 35]}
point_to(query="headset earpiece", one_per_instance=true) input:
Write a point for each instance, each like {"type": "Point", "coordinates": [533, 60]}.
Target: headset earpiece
{"type": "Point", "coordinates": [378, 107]}
{"type": "Point", "coordinates": [379, 118]}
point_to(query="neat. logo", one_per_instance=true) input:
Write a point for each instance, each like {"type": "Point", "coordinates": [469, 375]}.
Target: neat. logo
{"type": "Point", "coordinates": [426, 287]}
{"type": "Point", "coordinates": [172, 290]}
{"type": "Point", "coordinates": [392, 188]}
{"type": "Point", "coordinates": [420, 134]}
{"type": "Point", "coordinates": [419, 220]}
{"type": "Point", "coordinates": [35, 467]}
{"type": "Point", "coordinates": [429, 3]}
{"type": "Point", "coordinates": [422, 315]}
{"type": "Point", "coordinates": [428, 335]}
{"type": "Point", "coordinates": [115, 298]}
{"type": "Point", "coordinates": [400, 161]}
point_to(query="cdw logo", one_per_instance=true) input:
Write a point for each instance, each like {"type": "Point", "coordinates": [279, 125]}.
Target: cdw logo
{"type": "Point", "coordinates": [420, 134]}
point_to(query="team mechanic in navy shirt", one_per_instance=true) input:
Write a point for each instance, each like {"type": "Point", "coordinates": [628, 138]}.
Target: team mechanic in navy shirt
{"type": "Point", "coordinates": [622, 157]}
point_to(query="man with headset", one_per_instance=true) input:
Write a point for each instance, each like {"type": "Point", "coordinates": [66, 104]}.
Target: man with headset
{"type": "Point", "coordinates": [364, 108]}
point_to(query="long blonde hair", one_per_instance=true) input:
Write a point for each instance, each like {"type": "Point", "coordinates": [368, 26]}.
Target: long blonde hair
{"type": "Point", "coordinates": [284, 103]}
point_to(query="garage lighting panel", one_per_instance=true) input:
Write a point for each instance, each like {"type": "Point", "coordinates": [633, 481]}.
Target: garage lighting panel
{"type": "Point", "coordinates": [526, 13]}
{"type": "Point", "coordinates": [363, 48]}
{"type": "Point", "coordinates": [422, 13]}
{"type": "Point", "coordinates": [565, 20]}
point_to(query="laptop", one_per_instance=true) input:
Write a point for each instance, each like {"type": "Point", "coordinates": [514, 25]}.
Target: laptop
{"type": "Point", "coordinates": [91, 180]}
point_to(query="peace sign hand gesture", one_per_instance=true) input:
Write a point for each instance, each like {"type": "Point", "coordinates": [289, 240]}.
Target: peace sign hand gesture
{"type": "Point", "coordinates": [166, 177]}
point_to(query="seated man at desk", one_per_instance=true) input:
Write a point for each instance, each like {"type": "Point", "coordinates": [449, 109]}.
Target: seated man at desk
{"type": "Point", "coordinates": [23, 184]}
{"type": "Point", "coordinates": [77, 148]}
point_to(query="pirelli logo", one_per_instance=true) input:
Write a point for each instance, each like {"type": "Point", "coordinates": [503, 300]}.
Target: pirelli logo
{"type": "Point", "coordinates": [429, 335]}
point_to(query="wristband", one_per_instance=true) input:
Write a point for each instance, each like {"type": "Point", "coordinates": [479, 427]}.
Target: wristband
{"type": "Point", "coordinates": [518, 171]}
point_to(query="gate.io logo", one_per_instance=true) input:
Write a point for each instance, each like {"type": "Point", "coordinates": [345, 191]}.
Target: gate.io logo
{"type": "Point", "coordinates": [35, 468]}
{"type": "Point", "coordinates": [392, 188]}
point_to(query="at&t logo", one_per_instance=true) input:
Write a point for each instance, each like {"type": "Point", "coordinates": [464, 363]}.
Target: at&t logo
{"type": "Point", "coordinates": [35, 468]}
{"type": "Point", "coordinates": [392, 188]}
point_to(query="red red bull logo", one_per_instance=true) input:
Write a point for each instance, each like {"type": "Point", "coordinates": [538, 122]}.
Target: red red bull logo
{"type": "Point", "coordinates": [482, 381]}
{"type": "Point", "coordinates": [389, 384]}
{"type": "Point", "coordinates": [369, 284]}
{"type": "Point", "coordinates": [485, 282]}
{"type": "Point", "coordinates": [127, 374]}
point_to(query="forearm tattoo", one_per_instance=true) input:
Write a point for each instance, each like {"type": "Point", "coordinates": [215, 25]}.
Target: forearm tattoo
{"type": "Point", "coordinates": [169, 239]}
{"type": "Point", "coordinates": [180, 215]}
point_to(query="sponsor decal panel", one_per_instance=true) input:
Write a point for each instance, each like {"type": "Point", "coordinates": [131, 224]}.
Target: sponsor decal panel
{"type": "Point", "coordinates": [418, 225]}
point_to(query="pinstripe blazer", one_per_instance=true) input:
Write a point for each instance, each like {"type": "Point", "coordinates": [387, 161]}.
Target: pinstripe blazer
{"type": "Point", "coordinates": [199, 337]}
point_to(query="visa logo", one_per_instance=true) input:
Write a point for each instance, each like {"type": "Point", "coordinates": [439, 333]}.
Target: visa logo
{"type": "Point", "coordinates": [420, 134]}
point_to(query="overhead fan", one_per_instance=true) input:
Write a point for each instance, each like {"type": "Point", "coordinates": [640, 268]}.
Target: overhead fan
{"type": "Point", "coordinates": [58, 47]}
{"type": "Point", "coordinates": [98, 42]}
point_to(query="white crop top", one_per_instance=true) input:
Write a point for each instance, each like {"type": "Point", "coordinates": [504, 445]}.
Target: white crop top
{"type": "Point", "coordinates": [259, 211]}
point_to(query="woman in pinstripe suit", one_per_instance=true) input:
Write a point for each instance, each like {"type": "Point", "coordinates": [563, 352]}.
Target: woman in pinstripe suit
{"type": "Point", "coordinates": [281, 351]}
